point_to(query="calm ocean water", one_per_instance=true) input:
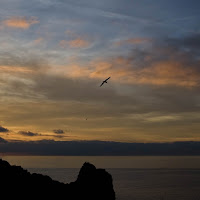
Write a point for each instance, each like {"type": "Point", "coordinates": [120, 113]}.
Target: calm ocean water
{"type": "Point", "coordinates": [134, 177]}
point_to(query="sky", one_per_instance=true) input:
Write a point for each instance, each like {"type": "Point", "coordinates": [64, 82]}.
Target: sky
{"type": "Point", "coordinates": [54, 54]}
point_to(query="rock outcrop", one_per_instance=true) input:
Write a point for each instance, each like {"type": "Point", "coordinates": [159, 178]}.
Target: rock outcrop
{"type": "Point", "coordinates": [91, 184]}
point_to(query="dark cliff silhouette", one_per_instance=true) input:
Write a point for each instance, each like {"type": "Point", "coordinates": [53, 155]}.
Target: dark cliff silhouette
{"type": "Point", "coordinates": [91, 184]}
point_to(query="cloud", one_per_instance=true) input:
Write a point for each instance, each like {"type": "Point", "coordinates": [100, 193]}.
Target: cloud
{"type": "Point", "coordinates": [75, 40]}
{"type": "Point", "coordinates": [132, 41]}
{"type": "Point", "coordinates": [67, 88]}
{"type": "Point", "coordinates": [71, 33]}
{"type": "Point", "coordinates": [58, 131]}
{"type": "Point", "coordinates": [38, 40]}
{"type": "Point", "coordinates": [165, 64]}
{"type": "Point", "coordinates": [22, 61]}
{"type": "Point", "coordinates": [78, 43]}
{"type": "Point", "coordinates": [2, 129]}
{"type": "Point", "coordinates": [63, 43]}
{"type": "Point", "coordinates": [3, 140]}
{"type": "Point", "coordinates": [20, 22]}
{"type": "Point", "coordinates": [191, 42]}
{"type": "Point", "coordinates": [15, 69]}
{"type": "Point", "coordinates": [28, 133]}
{"type": "Point", "coordinates": [160, 73]}
{"type": "Point", "coordinates": [97, 148]}
{"type": "Point", "coordinates": [30, 77]}
{"type": "Point", "coordinates": [141, 82]}
{"type": "Point", "coordinates": [165, 118]}
{"type": "Point", "coordinates": [17, 72]}
{"type": "Point", "coordinates": [74, 43]}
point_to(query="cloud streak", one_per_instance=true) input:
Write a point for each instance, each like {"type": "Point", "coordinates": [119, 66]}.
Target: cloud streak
{"type": "Point", "coordinates": [20, 22]}
{"type": "Point", "coordinates": [58, 131]}
{"type": "Point", "coordinates": [3, 130]}
{"type": "Point", "coordinates": [160, 73]}
{"type": "Point", "coordinates": [132, 41]}
{"type": "Point", "coordinates": [28, 133]}
{"type": "Point", "coordinates": [98, 148]}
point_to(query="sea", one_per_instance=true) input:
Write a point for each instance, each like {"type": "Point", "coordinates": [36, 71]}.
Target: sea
{"type": "Point", "coordinates": [134, 177]}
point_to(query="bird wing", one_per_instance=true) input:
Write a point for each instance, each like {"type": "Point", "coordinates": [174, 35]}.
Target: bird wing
{"type": "Point", "coordinates": [107, 78]}
{"type": "Point", "coordinates": [102, 83]}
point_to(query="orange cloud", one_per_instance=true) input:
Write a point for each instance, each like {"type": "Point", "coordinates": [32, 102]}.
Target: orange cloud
{"type": "Point", "coordinates": [78, 43]}
{"type": "Point", "coordinates": [75, 43]}
{"type": "Point", "coordinates": [38, 40]}
{"type": "Point", "coordinates": [170, 73]}
{"type": "Point", "coordinates": [20, 22]}
{"type": "Point", "coordinates": [122, 70]}
{"type": "Point", "coordinates": [17, 69]}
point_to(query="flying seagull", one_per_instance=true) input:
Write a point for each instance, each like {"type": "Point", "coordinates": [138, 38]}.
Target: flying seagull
{"type": "Point", "coordinates": [105, 81]}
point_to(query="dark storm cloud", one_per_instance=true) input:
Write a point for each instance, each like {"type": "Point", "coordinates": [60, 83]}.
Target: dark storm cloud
{"type": "Point", "coordinates": [189, 46]}
{"type": "Point", "coordinates": [183, 50]}
{"type": "Point", "coordinates": [3, 140]}
{"type": "Point", "coordinates": [190, 42]}
{"type": "Point", "coordinates": [28, 133]}
{"type": "Point", "coordinates": [2, 129]}
{"type": "Point", "coordinates": [173, 99]}
{"type": "Point", "coordinates": [58, 131]}
{"type": "Point", "coordinates": [60, 136]}
{"type": "Point", "coordinates": [180, 60]}
{"type": "Point", "coordinates": [97, 148]}
{"type": "Point", "coordinates": [64, 88]}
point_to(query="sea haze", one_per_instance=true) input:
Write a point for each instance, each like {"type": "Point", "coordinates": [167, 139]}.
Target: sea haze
{"type": "Point", "coordinates": [136, 162]}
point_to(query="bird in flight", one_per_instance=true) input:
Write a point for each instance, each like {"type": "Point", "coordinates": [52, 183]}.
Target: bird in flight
{"type": "Point", "coordinates": [105, 81]}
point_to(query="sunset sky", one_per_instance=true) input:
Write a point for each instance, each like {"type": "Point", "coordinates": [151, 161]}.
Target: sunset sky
{"type": "Point", "coordinates": [54, 54]}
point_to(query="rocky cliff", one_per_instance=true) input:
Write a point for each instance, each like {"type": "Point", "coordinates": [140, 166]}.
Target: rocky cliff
{"type": "Point", "coordinates": [91, 184]}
